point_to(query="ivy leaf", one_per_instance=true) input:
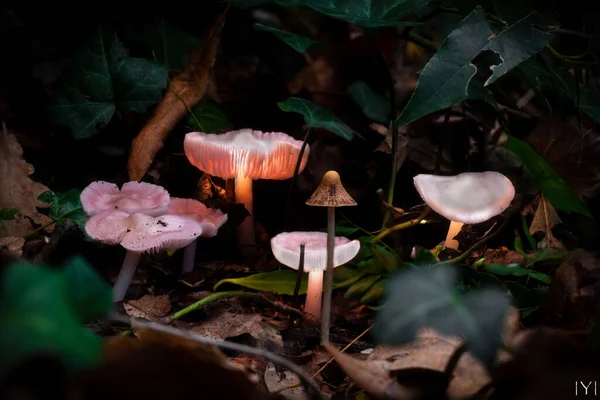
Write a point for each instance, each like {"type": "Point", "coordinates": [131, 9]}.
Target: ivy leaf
{"type": "Point", "coordinates": [449, 76]}
{"type": "Point", "coordinates": [507, 270]}
{"type": "Point", "coordinates": [554, 187]}
{"type": "Point", "coordinates": [318, 117]}
{"type": "Point", "coordinates": [104, 77]}
{"type": "Point", "coordinates": [89, 294]}
{"type": "Point", "coordinates": [297, 42]}
{"type": "Point", "coordinates": [208, 117]}
{"type": "Point", "coordinates": [373, 105]}
{"type": "Point", "coordinates": [428, 297]}
{"type": "Point", "coordinates": [8, 214]}
{"type": "Point", "coordinates": [37, 316]}
{"type": "Point", "coordinates": [65, 206]}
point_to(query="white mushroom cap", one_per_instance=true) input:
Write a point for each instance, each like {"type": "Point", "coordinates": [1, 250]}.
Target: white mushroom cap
{"type": "Point", "coordinates": [245, 153]}
{"type": "Point", "coordinates": [141, 197]}
{"type": "Point", "coordinates": [286, 249]}
{"type": "Point", "coordinates": [142, 232]}
{"type": "Point", "coordinates": [470, 197]}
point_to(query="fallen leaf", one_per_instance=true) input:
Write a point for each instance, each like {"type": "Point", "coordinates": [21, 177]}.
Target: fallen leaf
{"type": "Point", "coordinates": [575, 288]}
{"type": "Point", "coordinates": [18, 190]}
{"type": "Point", "coordinates": [545, 220]}
{"type": "Point", "coordinates": [430, 351]}
{"type": "Point", "coordinates": [148, 307]}
{"type": "Point", "coordinates": [161, 366]}
{"type": "Point", "coordinates": [277, 380]}
{"type": "Point", "coordinates": [208, 189]}
{"type": "Point", "coordinates": [229, 324]}
{"type": "Point", "coordinates": [184, 91]}
{"type": "Point", "coordinates": [12, 245]}
{"type": "Point", "coordinates": [503, 256]}
{"type": "Point", "coordinates": [573, 153]}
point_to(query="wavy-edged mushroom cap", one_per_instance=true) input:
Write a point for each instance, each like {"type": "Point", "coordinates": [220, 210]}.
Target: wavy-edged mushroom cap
{"type": "Point", "coordinates": [286, 249]}
{"type": "Point", "coordinates": [470, 197]}
{"type": "Point", "coordinates": [134, 197]}
{"type": "Point", "coordinates": [211, 219]}
{"type": "Point", "coordinates": [331, 193]}
{"type": "Point", "coordinates": [142, 232]}
{"type": "Point", "coordinates": [245, 153]}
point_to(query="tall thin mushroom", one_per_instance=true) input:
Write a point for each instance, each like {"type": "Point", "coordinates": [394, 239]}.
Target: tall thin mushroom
{"type": "Point", "coordinates": [467, 198]}
{"type": "Point", "coordinates": [331, 194]}
{"type": "Point", "coordinates": [245, 155]}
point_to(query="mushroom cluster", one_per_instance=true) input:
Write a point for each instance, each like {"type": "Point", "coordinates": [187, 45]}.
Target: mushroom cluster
{"type": "Point", "coordinates": [143, 218]}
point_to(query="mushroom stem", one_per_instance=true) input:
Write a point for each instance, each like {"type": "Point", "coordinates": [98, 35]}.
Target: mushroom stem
{"type": "Point", "coordinates": [243, 194]}
{"type": "Point", "coordinates": [453, 230]}
{"type": "Point", "coordinates": [189, 256]}
{"type": "Point", "coordinates": [328, 287]}
{"type": "Point", "coordinates": [314, 293]}
{"type": "Point", "coordinates": [126, 274]}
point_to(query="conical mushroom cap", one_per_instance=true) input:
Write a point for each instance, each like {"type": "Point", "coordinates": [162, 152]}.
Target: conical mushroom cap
{"type": "Point", "coordinates": [331, 193]}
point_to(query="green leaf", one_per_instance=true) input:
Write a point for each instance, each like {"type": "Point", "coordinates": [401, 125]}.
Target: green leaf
{"type": "Point", "coordinates": [425, 257]}
{"type": "Point", "coordinates": [365, 13]}
{"type": "Point", "coordinates": [427, 297]}
{"type": "Point", "coordinates": [89, 294]}
{"type": "Point", "coordinates": [281, 281]}
{"type": "Point", "coordinates": [526, 298]}
{"type": "Point", "coordinates": [104, 77]}
{"type": "Point", "coordinates": [297, 42]}
{"type": "Point", "coordinates": [555, 188]}
{"type": "Point", "coordinates": [448, 77]}
{"type": "Point", "coordinates": [37, 316]}
{"type": "Point", "coordinates": [373, 105]}
{"type": "Point", "coordinates": [507, 270]}
{"type": "Point", "coordinates": [8, 214]}
{"type": "Point", "coordinates": [345, 276]}
{"type": "Point", "coordinates": [360, 287]}
{"type": "Point", "coordinates": [317, 117]}
{"type": "Point", "coordinates": [375, 293]}
{"type": "Point", "coordinates": [208, 117]}
{"type": "Point", "coordinates": [65, 206]}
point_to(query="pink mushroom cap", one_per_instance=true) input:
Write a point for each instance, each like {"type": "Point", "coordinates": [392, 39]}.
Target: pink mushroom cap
{"type": "Point", "coordinates": [470, 197]}
{"type": "Point", "coordinates": [245, 153]}
{"type": "Point", "coordinates": [211, 219]}
{"type": "Point", "coordinates": [134, 197]}
{"type": "Point", "coordinates": [286, 249]}
{"type": "Point", "coordinates": [142, 232]}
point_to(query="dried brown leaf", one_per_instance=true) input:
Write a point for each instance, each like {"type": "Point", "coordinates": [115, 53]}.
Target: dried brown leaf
{"type": "Point", "coordinates": [12, 245]}
{"type": "Point", "coordinates": [148, 307]}
{"type": "Point", "coordinates": [386, 145]}
{"type": "Point", "coordinates": [544, 220]}
{"type": "Point", "coordinates": [573, 153]}
{"type": "Point", "coordinates": [277, 380]}
{"type": "Point", "coordinates": [18, 190]}
{"type": "Point", "coordinates": [184, 91]}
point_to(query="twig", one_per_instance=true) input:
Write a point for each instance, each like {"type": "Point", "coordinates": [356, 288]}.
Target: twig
{"type": "Point", "coordinates": [226, 295]}
{"type": "Point", "coordinates": [311, 387]}
{"type": "Point", "coordinates": [299, 276]}
{"type": "Point", "coordinates": [401, 226]}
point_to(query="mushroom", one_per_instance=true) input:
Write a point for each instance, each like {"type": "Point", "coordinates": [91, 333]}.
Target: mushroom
{"type": "Point", "coordinates": [286, 249]}
{"type": "Point", "coordinates": [139, 233]}
{"type": "Point", "coordinates": [467, 198]}
{"type": "Point", "coordinates": [245, 155]}
{"type": "Point", "coordinates": [331, 194]}
{"type": "Point", "coordinates": [210, 219]}
{"type": "Point", "coordinates": [141, 197]}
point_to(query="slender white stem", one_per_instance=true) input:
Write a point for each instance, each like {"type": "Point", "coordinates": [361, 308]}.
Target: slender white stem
{"type": "Point", "coordinates": [189, 256]}
{"type": "Point", "coordinates": [314, 293]}
{"type": "Point", "coordinates": [126, 274]}
{"type": "Point", "coordinates": [453, 230]}
{"type": "Point", "coordinates": [243, 194]}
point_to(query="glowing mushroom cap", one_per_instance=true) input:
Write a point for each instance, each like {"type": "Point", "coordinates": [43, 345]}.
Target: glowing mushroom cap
{"type": "Point", "coordinates": [470, 197]}
{"type": "Point", "coordinates": [142, 232]}
{"type": "Point", "coordinates": [245, 153]}
{"type": "Point", "coordinates": [286, 249]}
{"type": "Point", "coordinates": [211, 219]}
{"type": "Point", "coordinates": [138, 197]}
{"type": "Point", "coordinates": [331, 193]}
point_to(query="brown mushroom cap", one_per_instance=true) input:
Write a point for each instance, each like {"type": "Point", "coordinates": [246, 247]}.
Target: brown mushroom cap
{"type": "Point", "coordinates": [331, 193]}
{"type": "Point", "coordinates": [245, 153]}
{"type": "Point", "coordinates": [470, 197]}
